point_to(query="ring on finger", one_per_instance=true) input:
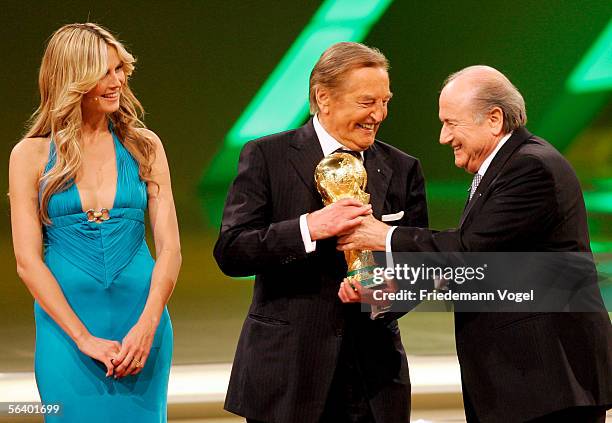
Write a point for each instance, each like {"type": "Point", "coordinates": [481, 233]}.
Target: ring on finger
{"type": "Point", "coordinates": [137, 362]}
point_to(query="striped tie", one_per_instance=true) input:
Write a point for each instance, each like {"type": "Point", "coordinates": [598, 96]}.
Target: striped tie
{"type": "Point", "coordinates": [474, 186]}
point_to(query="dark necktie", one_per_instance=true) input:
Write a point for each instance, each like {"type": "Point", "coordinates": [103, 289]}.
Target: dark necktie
{"type": "Point", "coordinates": [351, 152]}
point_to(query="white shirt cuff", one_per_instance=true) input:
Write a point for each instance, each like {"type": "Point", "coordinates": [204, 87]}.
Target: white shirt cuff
{"type": "Point", "coordinates": [309, 244]}
{"type": "Point", "coordinates": [389, 254]}
{"type": "Point", "coordinates": [388, 239]}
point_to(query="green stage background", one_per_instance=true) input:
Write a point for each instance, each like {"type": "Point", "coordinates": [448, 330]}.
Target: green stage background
{"type": "Point", "coordinates": [201, 62]}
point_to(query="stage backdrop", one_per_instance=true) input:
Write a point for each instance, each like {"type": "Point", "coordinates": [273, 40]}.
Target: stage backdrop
{"type": "Point", "coordinates": [213, 74]}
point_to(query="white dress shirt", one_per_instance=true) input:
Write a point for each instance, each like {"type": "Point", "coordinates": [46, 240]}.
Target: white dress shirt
{"type": "Point", "coordinates": [329, 145]}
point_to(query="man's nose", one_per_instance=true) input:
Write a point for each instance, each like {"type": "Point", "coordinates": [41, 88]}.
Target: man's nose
{"type": "Point", "coordinates": [445, 135]}
{"type": "Point", "coordinates": [378, 113]}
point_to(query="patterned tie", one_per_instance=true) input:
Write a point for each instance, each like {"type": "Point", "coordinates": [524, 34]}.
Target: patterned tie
{"type": "Point", "coordinates": [474, 186]}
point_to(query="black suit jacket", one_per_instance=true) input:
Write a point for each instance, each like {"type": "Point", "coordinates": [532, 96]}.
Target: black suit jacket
{"type": "Point", "coordinates": [518, 366]}
{"type": "Point", "coordinates": [291, 338]}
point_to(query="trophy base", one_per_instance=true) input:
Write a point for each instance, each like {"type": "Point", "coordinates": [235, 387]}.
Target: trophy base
{"type": "Point", "coordinates": [365, 278]}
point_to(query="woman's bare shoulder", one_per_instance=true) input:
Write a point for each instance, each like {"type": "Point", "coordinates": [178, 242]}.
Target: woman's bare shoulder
{"type": "Point", "coordinates": [32, 151]}
{"type": "Point", "coordinates": [150, 135]}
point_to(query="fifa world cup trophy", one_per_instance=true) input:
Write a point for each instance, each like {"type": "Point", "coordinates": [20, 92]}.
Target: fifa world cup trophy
{"type": "Point", "coordinates": [339, 176]}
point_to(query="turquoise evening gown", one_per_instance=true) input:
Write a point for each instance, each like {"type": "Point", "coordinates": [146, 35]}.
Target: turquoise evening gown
{"type": "Point", "coordinates": [104, 270]}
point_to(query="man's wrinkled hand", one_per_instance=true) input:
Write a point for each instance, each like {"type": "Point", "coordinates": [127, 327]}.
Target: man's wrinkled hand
{"type": "Point", "coordinates": [337, 218]}
{"type": "Point", "coordinates": [371, 234]}
{"type": "Point", "coordinates": [353, 292]}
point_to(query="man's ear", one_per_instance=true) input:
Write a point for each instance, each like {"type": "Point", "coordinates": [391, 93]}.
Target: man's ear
{"type": "Point", "coordinates": [322, 96]}
{"type": "Point", "coordinates": [496, 121]}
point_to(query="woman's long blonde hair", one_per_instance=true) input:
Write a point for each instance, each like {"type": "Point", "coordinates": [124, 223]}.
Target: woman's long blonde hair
{"type": "Point", "coordinates": [73, 63]}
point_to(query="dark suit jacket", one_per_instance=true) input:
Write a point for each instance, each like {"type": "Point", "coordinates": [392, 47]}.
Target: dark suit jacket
{"type": "Point", "coordinates": [291, 338]}
{"type": "Point", "coordinates": [519, 366]}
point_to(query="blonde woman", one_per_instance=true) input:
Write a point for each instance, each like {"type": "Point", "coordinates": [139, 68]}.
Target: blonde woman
{"type": "Point", "coordinates": [80, 183]}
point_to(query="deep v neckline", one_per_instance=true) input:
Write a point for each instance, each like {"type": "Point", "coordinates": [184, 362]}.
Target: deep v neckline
{"type": "Point", "coordinates": [116, 152]}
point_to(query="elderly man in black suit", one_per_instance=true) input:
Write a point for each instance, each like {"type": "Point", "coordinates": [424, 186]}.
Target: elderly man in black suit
{"type": "Point", "coordinates": [303, 355]}
{"type": "Point", "coordinates": [515, 367]}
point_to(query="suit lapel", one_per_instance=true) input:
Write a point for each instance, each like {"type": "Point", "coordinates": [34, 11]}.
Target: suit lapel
{"type": "Point", "coordinates": [379, 176]}
{"type": "Point", "coordinates": [305, 155]}
{"type": "Point", "coordinates": [517, 138]}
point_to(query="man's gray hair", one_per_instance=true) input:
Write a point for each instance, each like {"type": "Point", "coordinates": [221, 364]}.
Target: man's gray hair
{"type": "Point", "coordinates": [336, 61]}
{"type": "Point", "coordinates": [494, 90]}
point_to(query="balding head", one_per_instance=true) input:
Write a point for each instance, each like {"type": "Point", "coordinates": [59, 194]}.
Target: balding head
{"type": "Point", "coordinates": [486, 88]}
{"type": "Point", "coordinates": [478, 107]}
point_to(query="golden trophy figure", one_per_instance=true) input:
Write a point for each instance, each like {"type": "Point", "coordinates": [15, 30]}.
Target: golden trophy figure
{"type": "Point", "coordinates": [338, 176]}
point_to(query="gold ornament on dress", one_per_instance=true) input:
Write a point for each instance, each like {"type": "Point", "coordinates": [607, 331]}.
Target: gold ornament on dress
{"type": "Point", "coordinates": [98, 216]}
